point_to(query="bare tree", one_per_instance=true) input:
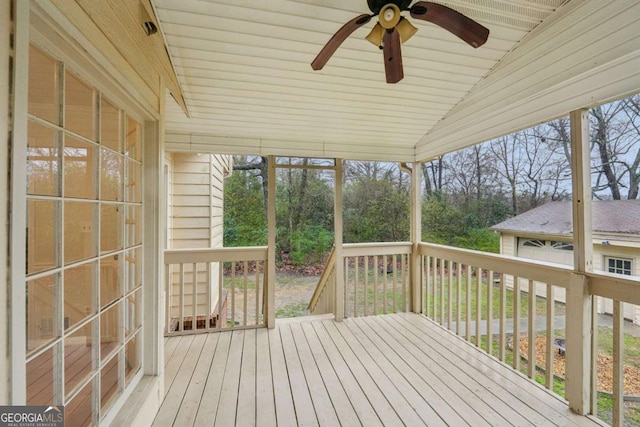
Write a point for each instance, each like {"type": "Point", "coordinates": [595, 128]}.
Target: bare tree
{"type": "Point", "coordinates": [615, 138]}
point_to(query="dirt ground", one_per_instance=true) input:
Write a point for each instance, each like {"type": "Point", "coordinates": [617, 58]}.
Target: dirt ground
{"type": "Point", "coordinates": [293, 293]}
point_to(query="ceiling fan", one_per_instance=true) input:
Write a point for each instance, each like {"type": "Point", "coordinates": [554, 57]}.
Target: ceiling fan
{"type": "Point", "coordinates": [392, 29]}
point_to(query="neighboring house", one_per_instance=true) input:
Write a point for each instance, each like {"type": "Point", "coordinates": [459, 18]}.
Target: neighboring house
{"type": "Point", "coordinates": [545, 234]}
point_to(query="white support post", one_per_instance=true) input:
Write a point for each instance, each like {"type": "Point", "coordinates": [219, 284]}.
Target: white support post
{"type": "Point", "coordinates": [271, 239]}
{"type": "Point", "coordinates": [578, 298]}
{"type": "Point", "coordinates": [416, 237]}
{"type": "Point", "coordinates": [5, 57]}
{"type": "Point", "coordinates": [154, 240]}
{"type": "Point", "coordinates": [337, 227]}
{"type": "Point", "coordinates": [18, 209]}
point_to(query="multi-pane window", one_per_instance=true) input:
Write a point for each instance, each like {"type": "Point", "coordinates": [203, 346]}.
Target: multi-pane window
{"type": "Point", "coordinates": [618, 265]}
{"type": "Point", "coordinates": [84, 244]}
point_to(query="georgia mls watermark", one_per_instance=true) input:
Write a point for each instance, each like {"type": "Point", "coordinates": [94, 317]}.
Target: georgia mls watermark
{"type": "Point", "coordinates": [31, 416]}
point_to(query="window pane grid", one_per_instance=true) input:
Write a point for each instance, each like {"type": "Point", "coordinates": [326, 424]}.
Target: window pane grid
{"type": "Point", "coordinates": [619, 266]}
{"type": "Point", "coordinates": [84, 255]}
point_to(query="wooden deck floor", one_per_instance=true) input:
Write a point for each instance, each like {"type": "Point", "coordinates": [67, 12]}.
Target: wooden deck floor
{"type": "Point", "coordinates": [389, 370]}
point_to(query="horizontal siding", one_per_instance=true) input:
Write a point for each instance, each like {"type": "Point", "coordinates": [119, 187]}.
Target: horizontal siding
{"type": "Point", "coordinates": [196, 221]}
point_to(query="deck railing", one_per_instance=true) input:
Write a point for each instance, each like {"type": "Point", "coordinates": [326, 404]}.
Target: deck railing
{"type": "Point", "coordinates": [517, 311]}
{"type": "Point", "coordinates": [323, 298]}
{"type": "Point", "coordinates": [621, 290]}
{"type": "Point", "coordinates": [376, 278]}
{"type": "Point", "coordinates": [215, 289]}
{"type": "Point", "coordinates": [487, 300]}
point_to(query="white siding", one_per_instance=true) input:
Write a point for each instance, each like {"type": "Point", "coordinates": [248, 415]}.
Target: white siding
{"type": "Point", "coordinates": [196, 194]}
{"type": "Point", "coordinates": [508, 245]}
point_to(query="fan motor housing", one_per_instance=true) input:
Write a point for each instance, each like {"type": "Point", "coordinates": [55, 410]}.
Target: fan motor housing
{"type": "Point", "coordinates": [376, 5]}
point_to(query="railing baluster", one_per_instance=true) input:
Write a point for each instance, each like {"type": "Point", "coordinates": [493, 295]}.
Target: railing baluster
{"type": "Point", "coordinates": [426, 273]}
{"type": "Point", "coordinates": [450, 302]}
{"type": "Point", "coordinates": [441, 277]}
{"type": "Point", "coordinates": [549, 365]}
{"type": "Point", "coordinates": [594, 355]}
{"type": "Point", "coordinates": [365, 299]}
{"type": "Point", "coordinates": [531, 368]}
{"type": "Point", "coordinates": [503, 317]}
{"type": "Point", "coordinates": [209, 310]}
{"type": "Point", "coordinates": [394, 281]}
{"type": "Point", "coordinates": [516, 323]}
{"type": "Point", "coordinates": [181, 290]}
{"type": "Point", "coordinates": [356, 267]}
{"type": "Point", "coordinates": [618, 364]}
{"type": "Point", "coordinates": [194, 297]}
{"type": "Point", "coordinates": [233, 293]}
{"type": "Point", "coordinates": [434, 288]}
{"type": "Point", "coordinates": [168, 295]}
{"type": "Point", "coordinates": [245, 307]}
{"type": "Point", "coordinates": [403, 281]}
{"type": "Point", "coordinates": [479, 307]}
{"type": "Point", "coordinates": [490, 312]}
{"type": "Point", "coordinates": [221, 301]}
{"type": "Point", "coordinates": [346, 285]}
{"type": "Point", "coordinates": [375, 284]}
{"type": "Point", "coordinates": [384, 285]}
{"type": "Point", "coordinates": [467, 326]}
{"type": "Point", "coordinates": [257, 293]}
{"type": "Point", "coordinates": [459, 268]}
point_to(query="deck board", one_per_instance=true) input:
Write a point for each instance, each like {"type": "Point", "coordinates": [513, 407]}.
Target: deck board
{"type": "Point", "coordinates": [193, 395]}
{"type": "Point", "coordinates": [364, 410]}
{"type": "Point", "coordinates": [208, 404]}
{"type": "Point", "coordinates": [398, 369]}
{"type": "Point", "coordinates": [265, 399]}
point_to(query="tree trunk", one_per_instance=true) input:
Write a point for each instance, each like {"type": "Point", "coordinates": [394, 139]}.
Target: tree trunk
{"type": "Point", "coordinates": [601, 141]}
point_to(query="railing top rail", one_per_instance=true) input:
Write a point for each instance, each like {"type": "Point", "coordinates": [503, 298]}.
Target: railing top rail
{"type": "Point", "coordinates": [191, 255]}
{"type": "Point", "coordinates": [376, 248]}
{"type": "Point", "coordinates": [615, 286]}
{"type": "Point", "coordinates": [555, 274]}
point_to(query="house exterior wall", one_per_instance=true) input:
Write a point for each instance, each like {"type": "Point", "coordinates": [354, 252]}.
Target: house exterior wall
{"type": "Point", "coordinates": [509, 246]}
{"type": "Point", "coordinates": [78, 47]}
{"type": "Point", "coordinates": [196, 201]}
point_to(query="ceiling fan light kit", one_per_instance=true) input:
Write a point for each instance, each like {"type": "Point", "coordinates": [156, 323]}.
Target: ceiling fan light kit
{"type": "Point", "coordinates": [392, 29]}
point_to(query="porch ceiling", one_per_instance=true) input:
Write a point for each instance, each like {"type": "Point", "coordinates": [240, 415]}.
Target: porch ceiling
{"type": "Point", "coordinates": [244, 68]}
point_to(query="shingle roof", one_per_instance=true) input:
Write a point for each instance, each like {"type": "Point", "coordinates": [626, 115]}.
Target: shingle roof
{"type": "Point", "coordinates": [609, 216]}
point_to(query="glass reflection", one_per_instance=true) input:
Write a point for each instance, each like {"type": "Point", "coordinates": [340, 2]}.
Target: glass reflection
{"type": "Point", "coordinates": [44, 99]}
{"type": "Point", "coordinates": [43, 160]}
{"type": "Point", "coordinates": [78, 360]}
{"type": "Point", "coordinates": [42, 235]}
{"type": "Point", "coordinates": [80, 229]}
{"type": "Point", "coordinates": [80, 169]}
{"type": "Point", "coordinates": [79, 107]}
{"type": "Point", "coordinates": [78, 293]}
{"type": "Point", "coordinates": [41, 313]}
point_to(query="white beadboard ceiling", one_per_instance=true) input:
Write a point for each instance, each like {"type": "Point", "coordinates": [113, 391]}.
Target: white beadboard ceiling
{"type": "Point", "coordinates": [244, 68]}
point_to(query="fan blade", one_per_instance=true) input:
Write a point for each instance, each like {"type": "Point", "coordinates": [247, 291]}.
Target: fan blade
{"type": "Point", "coordinates": [392, 56]}
{"type": "Point", "coordinates": [337, 39]}
{"type": "Point", "coordinates": [453, 21]}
